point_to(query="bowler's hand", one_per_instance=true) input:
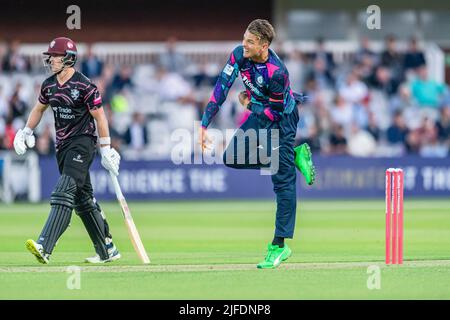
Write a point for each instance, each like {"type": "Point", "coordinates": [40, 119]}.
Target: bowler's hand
{"type": "Point", "coordinates": [244, 99]}
{"type": "Point", "coordinates": [203, 139]}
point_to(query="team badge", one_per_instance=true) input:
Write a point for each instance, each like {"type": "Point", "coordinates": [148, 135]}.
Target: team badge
{"type": "Point", "coordinates": [260, 80]}
{"type": "Point", "coordinates": [74, 93]}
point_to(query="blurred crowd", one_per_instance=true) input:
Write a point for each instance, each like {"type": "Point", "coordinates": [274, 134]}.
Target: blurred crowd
{"type": "Point", "coordinates": [373, 104]}
{"type": "Point", "coordinates": [377, 104]}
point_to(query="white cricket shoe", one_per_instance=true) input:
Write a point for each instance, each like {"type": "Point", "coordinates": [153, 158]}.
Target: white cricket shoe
{"type": "Point", "coordinates": [112, 252]}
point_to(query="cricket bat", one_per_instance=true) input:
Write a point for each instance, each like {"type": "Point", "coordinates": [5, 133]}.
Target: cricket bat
{"type": "Point", "coordinates": [132, 231]}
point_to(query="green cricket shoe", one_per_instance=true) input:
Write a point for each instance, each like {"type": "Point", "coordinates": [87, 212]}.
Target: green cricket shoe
{"type": "Point", "coordinates": [38, 251]}
{"type": "Point", "coordinates": [275, 255]}
{"type": "Point", "coordinates": [303, 162]}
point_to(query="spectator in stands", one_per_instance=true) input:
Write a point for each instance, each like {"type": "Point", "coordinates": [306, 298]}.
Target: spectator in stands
{"type": "Point", "coordinates": [446, 97]}
{"type": "Point", "coordinates": [2, 133]}
{"type": "Point", "coordinates": [104, 83]}
{"type": "Point", "coordinates": [33, 92]}
{"type": "Point", "coordinates": [171, 59]}
{"type": "Point", "coordinates": [122, 79]}
{"type": "Point", "coordinates": [361, 143]}
{"type": "Point", "coordinates": [319, 73]}
{"type": "Point", "coordinates": [392, 58]}
{"type": "Point", "coordinates": [365, 54]}
{"type": "Point", "coordinates": [365, 69]}
{"type": "Point", "coordinates": [9, 135]}
{"type": "Point", "coordinates": [428, 131]}
{"type": "Point", "coordinates": [365, 60]}
{"type": "Point", "coordinates": [381, 79]}
{"type": "Point", "coordinates": [397, 132]}
{"type": "Point", "coordinates": [373, 128]}
{"type": "Point", "coordinates": [402, 100]}
{"type": "Point", "coordinates": [338, 141]}
{"type": "Point", "coordinates": [354, 90]}
{"type": "Point", "coordinates": [296, 65]}
{"type": "Point", "coordinates": [321, 54]}
{"type": "Point", "coordinates": [413, 142]}
{"type": "Point", "coordinates": [116, 137]}
{"type": "Point", "coordinates": [136, 135]}
{"type": "Point", "coordinates": [205, 74]}
{"type": "Point", "coordinates": [13, 61]}
{"type": "Point", "coordinates": [120, 102]}
{"type": "Point", "coordinates": [4, 105]}
{"type": "Point", "coordinates": [342, 113]}
{"type": "Point", "coordinates": [171, 86]}
{"type": "Point", "coordinates": [17, 107]}
{"type": "Point", "coordinates": [312, 139]}
{"type": "Point", "coordinates": [413, 57]}
{"type": "Point", "coordinates": [91, 66]}
{"type": "Point", "coordinates": [428, 93]}
{"type": "Point", "coordinates": [430, 146]}
{"type": "Point", "coordinates": [443, 125]}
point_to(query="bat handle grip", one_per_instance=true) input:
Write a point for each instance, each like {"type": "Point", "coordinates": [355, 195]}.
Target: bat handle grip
{"type": "Point", "coordinates": [116, 185]}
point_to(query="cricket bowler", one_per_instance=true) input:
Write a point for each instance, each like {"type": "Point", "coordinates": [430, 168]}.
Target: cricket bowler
{"type": "Point", "coordinates": [76, 103]}
{"type": "Point", "coordinates": [274, 106]}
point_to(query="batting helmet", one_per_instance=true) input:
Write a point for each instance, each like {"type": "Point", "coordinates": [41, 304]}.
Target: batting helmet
{"type": "Point", "coordinates": [62, 46]}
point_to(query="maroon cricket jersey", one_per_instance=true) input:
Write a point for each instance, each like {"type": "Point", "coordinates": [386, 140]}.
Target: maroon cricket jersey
{"type": "Point", "coordinates": [71, 104]}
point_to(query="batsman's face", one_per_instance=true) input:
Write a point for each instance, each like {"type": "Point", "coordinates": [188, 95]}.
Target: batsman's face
{"type": "Point", "coordinates": [253, 46]}
{"type": "Point", "coordinates": [56, 63]}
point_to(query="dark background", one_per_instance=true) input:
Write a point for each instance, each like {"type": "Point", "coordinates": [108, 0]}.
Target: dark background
{"type": "Point", "coordinates": [134, 20]}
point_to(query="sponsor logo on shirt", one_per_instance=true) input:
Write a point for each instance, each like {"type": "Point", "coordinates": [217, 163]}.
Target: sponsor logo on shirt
{"type": "Point", "coordinates": [63, 113]}
{"type": "Point", "coordinates": [249, 84]}
{"type": "Point", "coordinates": [78, 159]}
{"type": "Point", "coordinates": [228, 70]}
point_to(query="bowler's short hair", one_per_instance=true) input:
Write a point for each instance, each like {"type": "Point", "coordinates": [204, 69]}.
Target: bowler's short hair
{"type": "Point", "coordinates": [262, 29]}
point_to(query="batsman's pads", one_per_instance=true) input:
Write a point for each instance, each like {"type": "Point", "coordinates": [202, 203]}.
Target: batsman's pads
{"type": "Point", "coordinates": [62, 202]}
{"type": "Point", "coordinates": [93, 221]}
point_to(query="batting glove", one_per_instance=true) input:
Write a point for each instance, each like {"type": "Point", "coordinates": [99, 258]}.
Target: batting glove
{"type": "Point", "coordinates": [24, 139]}
{"type": "Point", "coordinates": [110, 159]}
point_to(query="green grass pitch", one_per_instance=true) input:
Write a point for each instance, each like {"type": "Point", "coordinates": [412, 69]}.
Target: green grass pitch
{"type": "Point", "coordinates": [209, 250]}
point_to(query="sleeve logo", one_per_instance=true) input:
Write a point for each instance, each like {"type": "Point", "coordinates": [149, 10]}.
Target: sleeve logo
{"type": "Point", "coordinates": [228, 70]}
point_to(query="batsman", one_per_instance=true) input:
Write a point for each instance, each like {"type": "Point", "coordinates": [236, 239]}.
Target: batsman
{"type": "Point", "coordinates": [273, 107]}
{"type": "Point", "coordinates": [76, 103]}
